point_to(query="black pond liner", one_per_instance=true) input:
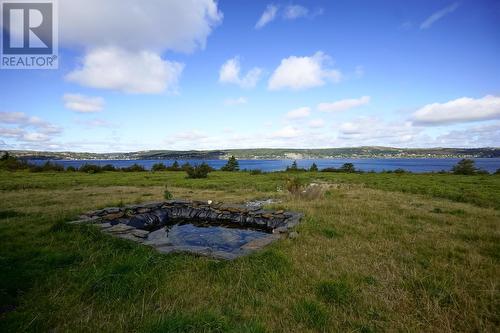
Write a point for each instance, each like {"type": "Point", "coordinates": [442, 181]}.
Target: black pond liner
{"type": "Point", "coordinates": [216, 230]}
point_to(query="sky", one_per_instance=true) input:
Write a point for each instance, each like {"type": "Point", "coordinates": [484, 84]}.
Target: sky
{"type": "Point", "coordinates": [201, 74]}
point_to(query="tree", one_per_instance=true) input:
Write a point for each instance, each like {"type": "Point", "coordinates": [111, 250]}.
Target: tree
{"type": "Point", "coordinates": [231, 165]}
{"type": "Point", "coordinates": [348, 167]}
{"type": "Point", "coordinates": [175, 166]}
{"type": "Point", "coordinates": [465, 167]}
{"type": "Point", "coordinates": [5, 157]}
{"type": "Point", "coordinates": [293, 167]}
{"type": "Point", "coordinates": [158, 167]}
{"type": "Point", "coordinates": [313, 168]}
{"type": "Point", "coordinates": [186, 166]}
{"type": "Point", "coordinates": [199, 171]}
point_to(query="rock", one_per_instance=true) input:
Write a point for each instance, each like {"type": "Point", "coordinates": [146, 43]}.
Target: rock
{"type": "Point", "coordinates": [104, 225]}
{"type": "Point", "coordinates": [149, 221]}
{"type": "Point", "coordinates": [112, 210]}
{"type": "Point", "coordinates": [119, 228]}
{"type": "Point", "coordinates": [140, 233]}
{"type": "Point", "coordinates": [293, 235]}
{"type": "Point", "coordinates": [259, 243]}
{"type": "Point", "coordinates": [113, 216]}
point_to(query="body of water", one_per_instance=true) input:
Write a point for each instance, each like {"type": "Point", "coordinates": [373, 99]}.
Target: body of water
{"type": "Point", "coordinates": [417, 165]}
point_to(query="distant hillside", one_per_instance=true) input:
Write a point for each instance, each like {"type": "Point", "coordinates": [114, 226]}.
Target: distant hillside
{"type": "Point", "coordinates": [267, 153]}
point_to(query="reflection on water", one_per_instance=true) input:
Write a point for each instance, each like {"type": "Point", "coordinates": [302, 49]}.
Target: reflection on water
{"type": "Point", "coordinates": [217, 238]}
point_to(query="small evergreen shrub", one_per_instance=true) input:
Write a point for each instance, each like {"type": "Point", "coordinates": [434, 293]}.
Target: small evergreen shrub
{"type": "Point", "coordinates": [175, 167]}
{"type": "Point", "coordinates": [231, 165]}
{"type": "Point", "coordinates": [11, 163]}
{"type": "Point", "coordinates": [167, 194]}
{"type": "Point", "coordinates": [348, 167]}
{"type": "Point", "coordinates": [108, 167]}
{"type": "Point", "coordinates": [465, 167]}
{"type": "Point", "coordinates": [313, 168]}
{"type": "Point", "coordinates": [199, 171]}
{"type": "Point", "coordinates": [134, 168]}
{"type": "Point", "coordinates": [158, 167]}
{"type": "Point", "coordinates": [90, 168]}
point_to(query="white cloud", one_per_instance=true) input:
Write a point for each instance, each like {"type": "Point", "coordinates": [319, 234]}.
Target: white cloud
{"type": "Point", "coordinates": [374, 131]}
{"type": "Point", "coordinates": [298, 73]}
{"type": "Point", "coordinates": [438, 15]}
{"type": "Point", "coordinates": [267, 16]}
{"type": "Point", "coordinates": [123, 40]}
{"type": "Point", "coordinates": [230, 72]}
{"type": "Point", "coordinates": [299, 113]}
{"type": "Point", "coordinates": [460, 110]}
{"type": "Point", "coordinates": [83, 104]}
{"type": "Point", "coordinates": [154, 25]}
{"type": "Point", "coordinates": [316, 123]}
{"type": "Point", "coordinates": [131, 72]}
{"type": "Point", "coordinates": [473, 136]}
{"type": "Point", "coordinates": [292, 12]}
{"type": "Point", "coordinates": [344, 104]}
{"type": "Point", "coordinates": [24, 128]}
{"type": "Point", "coordinates": [22, 120]}
{"type": "Point", "coordinates": [286, 133]}
{"type": "Point", "coordinates": [235, 101]}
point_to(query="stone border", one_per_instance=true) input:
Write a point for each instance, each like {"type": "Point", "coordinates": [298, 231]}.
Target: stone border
{"type": "Point", "coordinates": [138, 222]}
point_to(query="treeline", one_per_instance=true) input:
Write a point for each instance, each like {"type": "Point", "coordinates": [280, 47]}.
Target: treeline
{"type": "Point", "coordinates": [8, 162]}
{"type": "Point", "coordinates": [11, 163]}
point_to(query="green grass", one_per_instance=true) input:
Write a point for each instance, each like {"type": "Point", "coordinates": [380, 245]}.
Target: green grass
{"type": "Point", "coordinates": [377, 252]}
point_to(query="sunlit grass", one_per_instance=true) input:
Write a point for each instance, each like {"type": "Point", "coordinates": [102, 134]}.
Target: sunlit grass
{"type": "Point", "coordinates": [370, 256]}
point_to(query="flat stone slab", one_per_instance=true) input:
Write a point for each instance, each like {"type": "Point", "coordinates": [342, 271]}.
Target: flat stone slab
{"type": "Point", "coordinates": [221, 231]}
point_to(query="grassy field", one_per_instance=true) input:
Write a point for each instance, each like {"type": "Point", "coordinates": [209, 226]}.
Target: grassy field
{"type": "Point", "coordinates": [376, 252]}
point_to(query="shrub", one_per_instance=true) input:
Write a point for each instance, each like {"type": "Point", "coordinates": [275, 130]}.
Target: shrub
{"type": "Point", "coordinates": [497, 172]}
{"type": "Point", "coordinates": [400, 170]}
{"type": "Point", "coordinates": [347, 167]}
{"type": "Point", "coordinates": [293, 167]}
{"type": "Point", "coordinates": [465, 167]}
{"type": "Point", "coordinates": [186, 166]}
{"type": "Point", "coordinates": [71, 168]}
{"type": "Point", "coordinates": [158, 167]}
{"type": "Point", "coordinates": [175, 167]}
{"type": "Point", "coordinates": [166, 194]}
{"type": "Point", "coordinates": [313, 168]}
{"type": "Point", "coordinates": [199, 171]}
{"type": "Point", "coordinates": [294, 185]}
{"type": "Point", "coordinates": [90, 168]}
{"type": "Point", "coordinates": [259, 172]}
{"type": "Point", "coordinates": [11, 163]}
{"type": "Point", "coordinates": [231, 165]}
{"type": "Point", "coordinates": [108, 167]}
{"type": "Point", "coordinates": [134, 168]}
{"type": "Point", "coordinates": [330, 170]}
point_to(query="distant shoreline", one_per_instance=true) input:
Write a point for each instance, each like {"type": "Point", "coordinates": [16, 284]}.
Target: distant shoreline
{"type": "Point", "coordinates": [268, 154]}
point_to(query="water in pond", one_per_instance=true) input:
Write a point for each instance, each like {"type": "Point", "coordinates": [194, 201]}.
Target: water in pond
{"type": "Point", "coordinates": [200, 235]}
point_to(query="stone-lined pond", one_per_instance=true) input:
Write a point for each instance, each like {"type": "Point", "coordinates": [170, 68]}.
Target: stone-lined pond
{"type": "Point", "coordinates": [211, 229]}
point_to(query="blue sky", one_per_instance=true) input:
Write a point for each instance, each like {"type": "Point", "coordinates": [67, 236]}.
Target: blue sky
{"type": "Point", "coordinates": [137, 75]}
